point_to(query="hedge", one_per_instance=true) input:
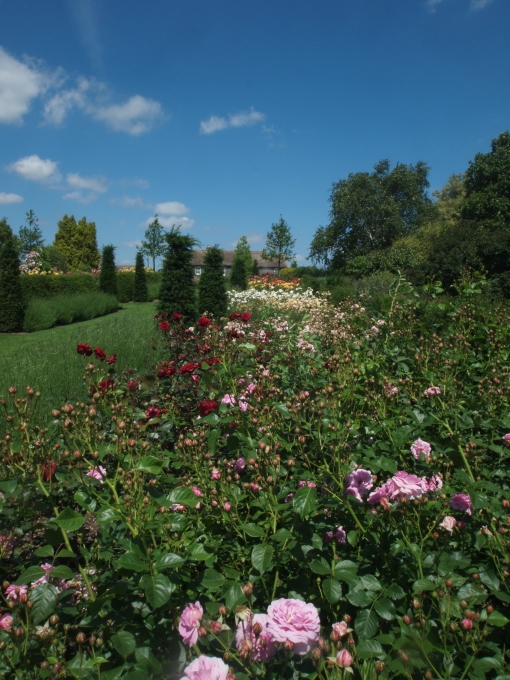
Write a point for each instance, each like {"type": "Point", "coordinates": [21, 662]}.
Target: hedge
{"type": "Point", "coordinates": [47, 286]}
{"type": "Point", "coordinates": [126, 284]}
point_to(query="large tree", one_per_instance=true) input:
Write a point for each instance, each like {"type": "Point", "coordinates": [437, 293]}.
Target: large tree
{"type": "Point", "coordinates": [177, 292]}
{"type": "Point", "coordinates": [78, 242]}
{"type": "Point", "coordinates": [154, 244]}
{"type": "Point", "coordinates": [108, 275]}
{"type": "Point", "coordinates": [212, 292]}
{"type": "Point", "coordinates": [243, 251]}
{"type": "Point", "coordinates": [5, 233]}
{"type": "Point", "coordinates": [140, 292]}
{"type": "Point", "coordinates": [371, 210]}
{"type": "Point", "coordinates": [487, 184]}
{"type": "Point", "coordinates": [239, 275]}
{"type": "Point", "coordinates": [279, 243]}
{"type": "Point", "coordinates": [11, 298]}
{"type": "Point", "coordinates": [30, 237]}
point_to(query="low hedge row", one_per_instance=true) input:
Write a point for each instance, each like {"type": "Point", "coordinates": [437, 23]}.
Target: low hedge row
{"type": "Point", "coordinates": [126, 285]}
{"type": "Point", "coordinates": [63, 310]}
{"type": "Point", "coordinates": [45, 286]}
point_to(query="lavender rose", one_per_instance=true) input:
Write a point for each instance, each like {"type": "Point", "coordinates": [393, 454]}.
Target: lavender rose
{"type": "Point", "coordinates": [294, 621]}
{"type": "Point", "coordinates": [190, 623]}
{"type": "Point", "coordinates": [206, 668]}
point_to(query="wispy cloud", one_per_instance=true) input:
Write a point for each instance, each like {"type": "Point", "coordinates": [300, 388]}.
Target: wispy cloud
{"type": "Point", "coordinates": [36, 169]}
{"type": "Point", "coordinates": [136, 116]}
{"type": "Point", "coordinates": [132, 244]}
{"type": "Point", "coordinates": [96, 184]}
{"type": "Point", "coordinates": [474, 5]}
{"type": "Point", "coordinates": [80, 197]}
{"type": "Point", "coordinates": [170, 221]}
{"type": "Point", "coordinates": [242, 119]}
{"type": "Point", "coordinates": [133, 182]}
{"type": "Point", "coordinates": [85, 18]}
{"type": "Point", "coordinates": [171, 208]}
{"type": "Point", "coordinates": [131, 202]}
{"type": "Point", "coordinates": [5, 199]}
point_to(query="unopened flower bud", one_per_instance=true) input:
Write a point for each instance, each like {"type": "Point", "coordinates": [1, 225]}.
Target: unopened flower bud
{"type": "Point", "coordinates": [248, 589]}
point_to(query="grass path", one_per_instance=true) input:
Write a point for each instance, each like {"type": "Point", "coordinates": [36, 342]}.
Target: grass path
{"type": "Point", "coordinates": [47, 360]}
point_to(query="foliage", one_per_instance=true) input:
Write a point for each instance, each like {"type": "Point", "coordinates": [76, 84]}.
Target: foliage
{"type": "Point", "coordinates": [140, 292]}
{"type": "Point", "coordinates": [279, 243]}
{"type": "Point", "coordinates": [177, 292]}
{"type": "Point", "coordinates": [449, 199]}
{"type": "Point", "coordinates": [212, 292]}
{"type": "Point", "coordinates": [255, 271]}
{"type": "Point", "coordinates": [5, 233]}
{"type": "Point", "coordinates": [53, 258]}
{"type": "Point", "coordinates": [126, 285]}
{"type": "Point", "coordinates": [60, 311]}
{"type": "Point", "coordinates": [219, 487]}
{"type": "Point", "coordinates": [154, 244]}
{"type": "Point", "coordinates": [11, 294]}
{"type": "Point", "coordinates": [243, 251]}
{"type": "Point", "coordinates": [108, 275]}
{"type": "Point", "coordinates": [487, 185]}
{"type": "Point", "coordinates": [238, 275]}
{"type": "Point", "coordinates": [78, 242]}
{"type": "Point", "coordinates": [369, 211]}
{"type": "Point", "coordinates": [45, 286]}
{"type": "Point", "coordinates": [30, 236]}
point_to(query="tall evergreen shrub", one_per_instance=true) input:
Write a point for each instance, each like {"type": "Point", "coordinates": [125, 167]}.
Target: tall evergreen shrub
{"type": "Point", "coordinates": [140, 291]}
{"type": "Point", "coordinates": [255, 268]}
{"type": "Point", "coordinates": [212, 292]}
{"type": "Point", "coordinates": [11, 297]}
{"type": "Point", "coordinates": [177, 293]}
{"type": "Point", "coordinates": [108, 275]}
{"type": "Point", "coordinates": [238, 277]}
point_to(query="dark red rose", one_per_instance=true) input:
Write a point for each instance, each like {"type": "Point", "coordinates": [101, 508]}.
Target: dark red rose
{"type": "Point", "coordinates": [84, 349]}
{"type": "Point", "coordinates": [245, 316]}
{"type": "Point", "coordinates": [235, 334]}
{"type": "Point", "coordinates": [152, 412]}
{"type": "Point", "coordinates": [188, 368]}
{"type": "Point", "coordinates": [234, 316]}
{"type": "Point", "coordinates": [206, 407]}
{"type": "Point", "coordinates": [176, 316]}
{"type": "Point", "coordinates": [105, 385]}
{"type": "Point", "coordinates": [111, 359]}
{"type": "Point", "coordinates": [211, 362]}
{"type": "Point", "coordinates": [164, 325]}
{"type": "Point", "coordinates": [166, 372]}
{"type": "Point", "coordinates": [48, 470]}
{"type": "Point", "coordinates": [133, 385]}
{"type": "Point", "coordinates": [100, 354]}
{"type": "Point", "coordinates": [203, 322]}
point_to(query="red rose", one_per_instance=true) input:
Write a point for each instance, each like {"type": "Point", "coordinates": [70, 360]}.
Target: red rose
{"type": "Point", "coordinates": [203, 322]}
{"type": "Point", "coordinates": [166, 372]}
{"type": "Point", "coordinates": [133, 385]}
{"type": "Point", "coordinates": [234, 316]}
{"type": "Point", "coordinates": [176, 316]}
{"type": "Point", "coordinates": [106, 385]}
{"type": "Point", "coordinates": [164, 325]}
{"type": "Point", "coordinates": [100, 354]}
{"type": "Point", "coordinates": [111, 359]}
{"type": "Point", "coordinates": [206, 407]}
{"type": "Point", "coordinates": [188, 368]}
{"type": "Point", "coordinates": [211, 362]}
{"type": "Point", "coordinates": [84, 349]}
{"type": "Point", "coordinates": [245, 316]}
{"type": "Point", "coordinates": [48, 470]}
{"type": "Point", "coordinates": [152, 412]}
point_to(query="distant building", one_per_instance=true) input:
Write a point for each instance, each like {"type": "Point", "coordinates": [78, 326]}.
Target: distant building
{"type": "Point", "coordinates": [265, 266]}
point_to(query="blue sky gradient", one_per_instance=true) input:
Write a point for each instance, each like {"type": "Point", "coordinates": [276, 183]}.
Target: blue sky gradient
{"type": "Point", "coordinates": [220, 115]}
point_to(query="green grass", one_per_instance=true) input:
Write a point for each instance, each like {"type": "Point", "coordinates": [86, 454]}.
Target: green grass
{"type": "Point", "coordinates": [48, 362]}
{"type": "Point", "coordinates": [67, 309]}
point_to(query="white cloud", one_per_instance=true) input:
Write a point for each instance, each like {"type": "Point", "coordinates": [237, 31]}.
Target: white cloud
{"type": "Point", "coordinates": [9, 198]}
{"type": "Point", "coordinates": [134, 182]}
{"type": "Point", "coordinates": [132, 244]}
{"type": "Point", "coordinates": [242, 119]}
{"type": "Point", "coordinates": [36, 169]}
{"type": "Point", "coordinates": [96, 184]}
{"type": "Point", "coordinates": [57, 108]}
{"type": "Point", "coordinates": [20, 84]}
{"type": "Point", "coordinates": [171, 208]}
{"type": "Point", "coordinates": [80, 197]}
{"type": "Point", "coordinates": [128, 202]}
{"type": "Point", "coordinates": [136, 116]}
{"type": "Point", "coordinates": [479, 4]}
{"type": "Point", "coordinates": [433, 4]}
{"type": "Point", "coordinates": [172, 221]}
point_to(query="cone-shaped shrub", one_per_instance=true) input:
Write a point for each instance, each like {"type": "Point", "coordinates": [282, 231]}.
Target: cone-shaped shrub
{"type": "Point", "coordinates": [11, 297]}
{"type": "Point", "coordinates": [140, 290]}
{"type": "Point", "coordinates": [238, 277]}
{"type": "Point", "coordinates": [212, 292]}
{"type": "Point", "coordinates": [177, 293]}
{"type": "Point", "coordinates": [108, 275]}
{"type": "Point", "coordinates": [255, 268]}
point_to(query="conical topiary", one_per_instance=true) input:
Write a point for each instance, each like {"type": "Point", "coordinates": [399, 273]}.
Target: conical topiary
{"type": "Point", "coordinates": [108, 275]}
{"type": "Point", "coordinates": [140, 292]}
{"type": "Point", "coordinates": [255, 268]}
{"type": "Point", "coordinates": [238, 277]}
{"type": "Point", "coordinates": [212, 292]}
{"type": "Point", "coordinates": [12, 310]}
{"type": "Point", "coordinates": [177, 292]}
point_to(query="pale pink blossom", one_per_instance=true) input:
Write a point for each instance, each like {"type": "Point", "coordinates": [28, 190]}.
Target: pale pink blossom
{"type": "Point", "coordinates": [206, 668]}
{"type": "Point", "coordinates": [6, 622]}
{"type": "Point", "coordinates": [310, 485]}
{"type": "Point", "coordinates": [358, 483]}
{"type": "Point", "coordinates": [261, 647]}
{"type": "Point", "coordinates": [434, 483]}
{"type": "Point", "coordinates": [344, 658]}
{"type": "Point", "coordinates": [265, 373]}
{"type": "Point", "coordinates": [506, 440]}
{"type": "Point", "coordinates": [432, 392]}
{"type": "Point", "coordinates": [229, 400]}
{"type": "Point", "coordinates": [44, 579]}
{"type": "Point", "coordinates": [448, 523]}
{"type": "Point", "coordinates": [227, 507]}
{"type": "Point", "coordinates": [215, 474]}
{"type": "Point", "coordinates": [340, 629]}
{"type": "Point", "coordinates": [198, 492]}
{"type": "Point", "coordinates": [420, 447]}
{"type": "Point", "coordinates": [14, 593]}
{"type": "Point", "coordinates": [243, 404]}
{"type": "Point", "coordinates": [402, 484]}
{"type": "Point", "coordinates": [177, 507]}
{"type": "Point", "coordinates": [294, 621]}
{"type": "Point", "coordinates": [462, 502]}
{"type": "Point", "coordinates": [97, 473]}
{"type": "Point", "coordinates": [250, 389]}
{"type": "Point", "coordinates": [189, 623]}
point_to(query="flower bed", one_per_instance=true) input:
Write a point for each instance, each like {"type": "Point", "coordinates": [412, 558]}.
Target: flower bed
{"type": "Point", "coordinates": [278, 501]}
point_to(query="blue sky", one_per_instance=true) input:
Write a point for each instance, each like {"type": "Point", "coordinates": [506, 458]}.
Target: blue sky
{"type": "Point", "coordinates": [220, 115]}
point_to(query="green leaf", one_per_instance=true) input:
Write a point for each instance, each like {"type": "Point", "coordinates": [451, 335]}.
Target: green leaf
{"type": "Point", "coordinates": [150, 464]}
{"type": "Point", "coordinates": [132, 562]}
{"type": "Point", "coordinates": [44, 598]}
{"type": "Point", "coordinates": [168, 561]}
{"type": "Point", "coordinates": [282, 535]}
{"type": "Point", "coordinates": [282, 408]}
{"type": "Point", "coordinates": [29, 575]}
{"type": "Point", "coordinates": [85, 500]}
{"type": "Point", "coordinates": [332, 590]}
{"type": "Point", "coordinates": [497, 619]}
{"type": "Point", "coordinates": [124, 643]}
{"type": "Point", "coordinates": [69, 520]}
{"type": "Point", "coordinates": [305, 501]}
{"type": "Point", "coordinates": [212, 579]}
{"type": "Point", "coordinates": [157, 589]}
{"type": "Point", "coordinates": [44, 551]}
{"type": "Point", "coordinates": [234, 596]}
{"type": "Point", "coordinates": [486, 663]}
{"type": "Point", "coordinates": [253, 530]}
{"type": "Point", "coordinates": [489, 578]}
{"type": "Point", "coordinates": [136, 674]}
{"type": "Point", "coordinates": [261, 556]}
{"type": "Point", "coordinates": [112, 674]}
{"type": "Point", "coordinates": [368, 648]}
{"type": "Point", "coordinates": [146, 658]}
{"type": "Point", "coordinates": [370, 582]}
{"type": "Point", "coordinates": [359, 598]}
{"type": "Point", "coordinates": [62, 572]}
{"type": "Point", "coordinates": [183, 496]}
{"type": "Point", "coordinates": [321, 567]}
{"type": "Point", "coordinates": [385, 608]}
{"type": "Point", "coordinates": [198, 552]}
{"type": "Point", "coordinates": [106, 515]}
{"type": "Point", "coordinates": [366, 623]}
{"type": "Point", "coordinates": [395, 592]}
{"type": "Point", "coordinates": [423, 584]}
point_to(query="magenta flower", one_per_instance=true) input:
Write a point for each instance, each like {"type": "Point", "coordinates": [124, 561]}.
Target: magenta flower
{"type": "Point", "coordinates": [240, 465]}
{"type": "Point", "coordinates": [358, 483]}
{"type": "Point", "coordinates": [97, 473]}
{"type": "Point", "coordinates": [46, 578]}
{"type": "Point", "coordinates": [215, 474]}
{"type": "Point", "coordinates": [294, 621]}
{"type": "Point", "coordinates": [340, 536]}
{"type": "Point", "coordinates": [189, 623]}
{"type": "Point", "coordinates": [14, 593]}
{"type": "Point", "coordinates": [432, 392]}
{"type": "Point", "coordinates": [448, 523]}
{"type": "Point", "coordinates": [421, 447]}
{"type": "Point", "coordinates": [462, 502]}
{"type": "Point", "coordinates": [206, 668]}
{"type": "Point", "coordinates": [260, 646]}
{"type": "Point", "coordinates": [310, 485]}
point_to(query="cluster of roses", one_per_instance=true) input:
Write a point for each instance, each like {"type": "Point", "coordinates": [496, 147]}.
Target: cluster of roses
{"type": "Point", "coordinates": [87, 351]}
{"type": "Point", "coordinates": [164, 325]}
{"type": "Point", "coordinates": [292, 624]}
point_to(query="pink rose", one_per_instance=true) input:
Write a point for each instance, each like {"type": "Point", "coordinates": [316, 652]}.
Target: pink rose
{"type": "Point", "coordinates": [215, 474]}
{"type": "Point", "coordinates": [432, 392]}
{"type": "Point", "coordinates": [243, 404]}
{"type": "Point", "coordinates": [448, 523]}
{"type": "Point", "coordinates": [6, 622]}
{"type": "Point", "coordinates": [358, 483]}
{"type": "Point", "coordinates": [97, 473]}
{"type": "Point", "coordinates": [206, 668]}
{"type": "Point", "coordinates": [344, 659]}
{"type": "Point", "coordinates": [419, 447]}
{"type": "Point", "coordinates": [294, 621]}
{"type": "Point", "coordinates": [260, 645]}
{"type": "Point", "coordinates": [13, 592]}
{"type": "Point", "coordinates": [340, 629]}
{"type": "Point", "coordinates": [189, 623]}
{"type": "Point", "coordinates": [229, 400]}
{"type": "Point", "coordinates": [506, 440]}
{"type": "Point", "coordinates": [401, 484]}
{"type": "Point", "coordinates": [462, 502]}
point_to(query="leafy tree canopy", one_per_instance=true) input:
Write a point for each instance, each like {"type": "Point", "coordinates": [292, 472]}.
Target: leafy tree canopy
{"type": "Point", "coordinates": [243, 251]}
{"type": "Point", "coordinates": [78, 242]}
{"type": "Point", "coordinates": [154, 244]}
{"type": "Point", "coordinates": [279, 243]}
{"type": "Point", "coordinates": [370, 210]}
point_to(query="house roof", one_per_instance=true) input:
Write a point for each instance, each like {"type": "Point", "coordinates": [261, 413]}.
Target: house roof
{"type": "Point", "coordinates": [228, 258]}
